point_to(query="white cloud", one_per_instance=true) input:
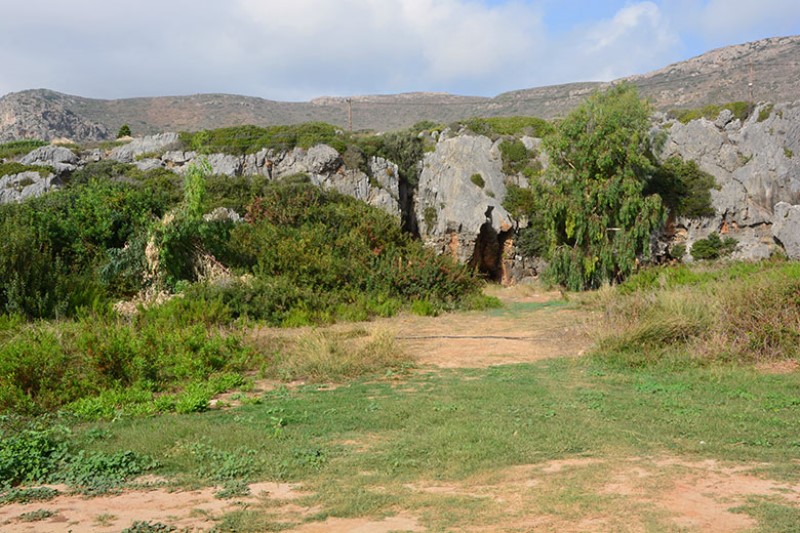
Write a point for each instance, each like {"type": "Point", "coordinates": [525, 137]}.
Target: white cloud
{"type": "Point", "coordinates": [728, 18]}
{"type": "Point", "coordinates": [636, 39]}
{"type": "Point", "coordinates": [299, 49]}
{"type": "Point", "coordinates": [396, 44]}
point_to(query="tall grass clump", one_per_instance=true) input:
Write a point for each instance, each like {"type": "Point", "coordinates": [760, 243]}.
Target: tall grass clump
{"type": "Point", "coordinates": [324, 356]}
{"type": "Point", "coordinates": [748, 313]}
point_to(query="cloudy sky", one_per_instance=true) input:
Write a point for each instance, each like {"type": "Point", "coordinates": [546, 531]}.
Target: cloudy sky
{"type": "Point", "coordinates": [301, 49]}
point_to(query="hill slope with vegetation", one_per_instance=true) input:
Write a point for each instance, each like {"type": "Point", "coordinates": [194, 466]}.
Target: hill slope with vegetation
{"type": "Point", "coordinates": [721, 75]}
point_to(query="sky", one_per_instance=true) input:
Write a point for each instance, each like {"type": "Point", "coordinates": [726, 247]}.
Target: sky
{"type": "Point", "coordinates": [296, 50]}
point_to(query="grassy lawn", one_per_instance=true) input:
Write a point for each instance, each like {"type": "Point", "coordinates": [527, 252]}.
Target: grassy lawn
{"type": "Point", "coordinates": [360, 447]}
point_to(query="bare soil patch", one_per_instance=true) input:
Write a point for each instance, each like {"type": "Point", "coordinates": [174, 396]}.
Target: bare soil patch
{"type": "Point", "coordinates": [194, 510]}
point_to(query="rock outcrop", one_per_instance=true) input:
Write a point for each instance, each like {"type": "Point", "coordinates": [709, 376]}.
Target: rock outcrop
{"type": "Point", "coordinates": [459, 203]}
{"type": "Point", "coordinates": [786, 228]}
{"type": "Point", "coordinates": [62, 160]}
{"type": "Point", "coordinates": [19, 187]}
{"type": "Point", "coordinates": [151, 144]}
{"type": "Point", "coordinates": [756, 165]}
{"type": "Point", "coordinates": [39, 115]}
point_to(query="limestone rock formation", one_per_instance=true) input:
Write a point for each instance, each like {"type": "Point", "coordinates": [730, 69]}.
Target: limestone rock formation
{"type": "Point", "coordinates": [756, 165]}
{"type": "Point", "coordinates": [459, 202]}
{"type": "Point", "coordinates": [39, 115]}
{"type": "Point", "coordinates": [151, 144]}
{"type": "Point", "coordinates": [19, 187]}
{"type": "Point", "coordinates": [786, 228]}
{"type": "Point", "coordinates": [61, 159]}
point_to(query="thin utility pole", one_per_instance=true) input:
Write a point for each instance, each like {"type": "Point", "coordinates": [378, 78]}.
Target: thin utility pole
{"type": "Point", "coordinates": [750, 84]}
{"type": "Point", "coordinates": [350, 114]}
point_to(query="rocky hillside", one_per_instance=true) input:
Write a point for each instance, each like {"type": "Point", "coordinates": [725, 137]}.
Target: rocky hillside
{"type": "Point", "coordinates": [723, 75]}
{"type": "Point", "coordinates": [457, 205]}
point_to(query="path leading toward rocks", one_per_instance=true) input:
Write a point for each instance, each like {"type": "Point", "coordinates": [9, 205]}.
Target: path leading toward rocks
{"type": "Point", "coordinates": [627, 494]}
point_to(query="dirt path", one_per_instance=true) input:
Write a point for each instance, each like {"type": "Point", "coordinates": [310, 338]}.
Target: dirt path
{"type": "Point", "coordinates": [532, 326]}
{"type": "Point", "coordinates": [625, 494]}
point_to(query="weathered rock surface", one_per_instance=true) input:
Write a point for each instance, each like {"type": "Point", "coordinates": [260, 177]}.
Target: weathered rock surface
{"type": "Point", "coordinates": [459, 202]}
{"type": "Point", "coordinates": [29, 115]}
{"type": "Point", "coordinates": [19, 187]}
{"type": "Point", "coordinates": [59, 158]}
{"type": "Point", "coordinates": [151, 144]}
{"type": "Point", "coordinates": [786, 228]}
{"type": "Point", "coordinates": [756, 165]}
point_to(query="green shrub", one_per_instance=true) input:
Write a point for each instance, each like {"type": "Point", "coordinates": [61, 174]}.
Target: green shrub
{"type": "Point", "coordinates": [515, 156]}
{"type": "Point", "coordinates": [11, 168]}
{"type": "Point", "coordinates": [14, 149]}
{"type": "Point", "coordinates": [684, 188]}
{"type": "Point", "coordinates": [28, 495]}
{"type": "Point", "coordinates": [44, 367]}
{"type": "Point", "coordinates": [31, 456]}
{"type": "Point", "coordinates": [477, 179]}
{"type": "Point", "coordinates": [740, 110]}
{"type": "Point", "coordinates": [678, 251]}
{"type": "Point", "coordinates": [124, 131]}
{"type": "Point", "coordinates": [242, 140]}
{"type": "Point", "coordinates": [141, 526]}
{"type": "Point", "coordinates": [495, 127]}
{"type": "Point", "coordinates": [788, 153]}
{"type": "Point", "coordinates": [713, 247]}
{"type": "Point", "coordinates": [765, 112]}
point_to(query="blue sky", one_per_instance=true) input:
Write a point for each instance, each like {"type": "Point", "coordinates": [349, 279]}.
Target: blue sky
{"type": "Point", "coordinates": [301, 49]}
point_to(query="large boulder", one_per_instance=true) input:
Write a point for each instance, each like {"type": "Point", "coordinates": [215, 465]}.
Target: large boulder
{"type": "Point", "coordinates": [61, 159]}
{"type": "Point", "coordinates": [786, 228]}
{"type": "Point", "coordinates": [459, 202]}
{"type": "Point", "coordinates": [756, 165]}
{"type": "Point", "coordinates": [151, 144]}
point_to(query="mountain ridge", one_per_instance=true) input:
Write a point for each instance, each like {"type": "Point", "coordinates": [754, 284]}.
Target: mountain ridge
{"type": "Point", "coordinates": [764, 70]}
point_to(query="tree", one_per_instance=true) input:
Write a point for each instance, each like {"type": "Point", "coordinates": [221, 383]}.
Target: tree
{"type": "Point", "coordinates": [124, 131]}
{"type": "Point", "coordinates": [593, 210]}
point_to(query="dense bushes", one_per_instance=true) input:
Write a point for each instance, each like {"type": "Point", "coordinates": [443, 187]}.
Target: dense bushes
{"type": "Point", "coordinates": [495, 127]}
{"type": "Point", "coordinates": [54, 247]}
{"type": "Point", "coordinates": [307, 252]}
{"type": "Point", "coordinates": [44, 366]}
{"type": "Point", "coordinates": [241, 140]}
{"type": "Point", "coordinates": [303, 255]}
{"type": "Point", "coordinates": [740, 110]}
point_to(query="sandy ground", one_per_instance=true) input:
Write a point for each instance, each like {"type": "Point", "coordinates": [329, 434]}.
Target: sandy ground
{"type": "Point", "coordinates": [631, 491]}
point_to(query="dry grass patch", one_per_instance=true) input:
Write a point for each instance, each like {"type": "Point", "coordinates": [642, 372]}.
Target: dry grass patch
{"type": "Point", "coordinates": [329, 355]}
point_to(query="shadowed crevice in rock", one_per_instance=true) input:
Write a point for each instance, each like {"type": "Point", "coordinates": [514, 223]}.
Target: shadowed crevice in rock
{"type": "Point", "coordinates": [489, 253]}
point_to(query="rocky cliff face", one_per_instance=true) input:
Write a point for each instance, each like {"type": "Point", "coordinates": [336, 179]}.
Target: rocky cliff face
{"type": "Point", "coordinates": [28, 115]}
{"type": "Point", "coordinates": [458, 203]}
{"type": "Point", "coordinates": [756, 165]}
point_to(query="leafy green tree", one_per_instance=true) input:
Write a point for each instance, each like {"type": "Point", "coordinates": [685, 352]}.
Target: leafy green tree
{"type": "Point", "coordinates": [596, 216]}
{"type": "Point", "coordinates": [124, 131]}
